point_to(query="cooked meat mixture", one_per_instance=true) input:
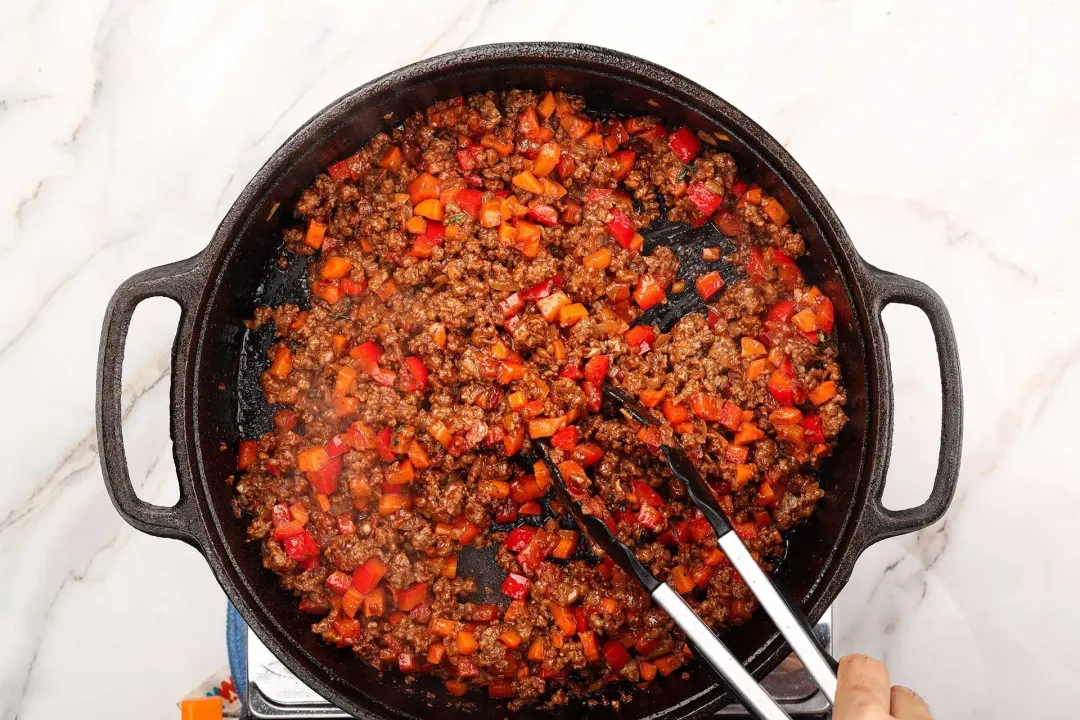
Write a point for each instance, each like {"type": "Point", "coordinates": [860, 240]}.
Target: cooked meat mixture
{"type": "Point", "coordinates": [477, 276]}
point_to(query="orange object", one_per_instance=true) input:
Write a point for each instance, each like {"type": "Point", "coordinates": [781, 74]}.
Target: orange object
{"type": "Point", "coordinates": [391, 159]}
{"type": "Point", "coordinates": [775, 211]}
{"type": "Point", "coordinates": [511, 638]}
{"type": "Point", "coordinates": [598, 260]}
{"type": "Point", "coordinates": [282, 364]}
{"type": "Point", "coordinates": [528, 182]}
{"type": "Point", "coordinates": [442, 627]}
{"type": "Point", "coordinates": [456, 688]}
{"type": "Point", "coordinates": [536, 650]}
{"type": "Point", "coordinates": [424, 187]}
{"type": "Point", "coordinates": [336, 267]}
{"type": "Point", "coordinates": [466, 643]}
{"type": "Point", "coordinates": [314, 236]}
{"type": "Point", "coordinates": [748, 433]}
{"type": "Point", "coordinates": [752, 348]}
{"type": "Point", "coordinates": [564, 619]}
{"type": "Point", "coordinates": [546, 106]}
{"type": "Point", "coordinates": [431, 209]}
{"type": "Point", "coordinates": [547, 159]}
{"type": "Point", "coordinates": [208, 708]}
{"type": "Point", "coordinates": [571, 314]}
{"type": "Point", "coordinates": [823, 392]}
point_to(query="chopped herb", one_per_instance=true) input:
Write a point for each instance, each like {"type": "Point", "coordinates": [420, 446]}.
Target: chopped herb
{"type": "Point", "coordinates": [457, 218]}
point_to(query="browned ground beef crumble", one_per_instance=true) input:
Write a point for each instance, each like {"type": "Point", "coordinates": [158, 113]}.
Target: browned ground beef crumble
{"type": "Point", "coordinates": [471, 290]}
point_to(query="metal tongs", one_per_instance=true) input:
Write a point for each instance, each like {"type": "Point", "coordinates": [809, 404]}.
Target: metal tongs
{"type": "Point", "coordinates": [790, 621]}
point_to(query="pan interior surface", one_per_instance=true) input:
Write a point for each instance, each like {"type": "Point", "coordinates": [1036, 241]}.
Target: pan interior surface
{"type": "Point", "coordinates": [229, 406]}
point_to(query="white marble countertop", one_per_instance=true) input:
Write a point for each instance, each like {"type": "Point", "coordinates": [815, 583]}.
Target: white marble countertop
{"type": "Point", "coordinates": [943, 134]}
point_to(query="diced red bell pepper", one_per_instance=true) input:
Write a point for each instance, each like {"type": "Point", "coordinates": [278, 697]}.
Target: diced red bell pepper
{"type": "Point", "coordinates": [519, 537]}
{"type": "Point", "coordinates": [336, 446]}
{"type": "Point", "coordinates": [567, 438]}
{"type": "Point", "coordinates": [539, 291]}
{"type": "Point", "coordinates": [516, 586]}
{"type": "Point", "coordinates": [648, 292]}
{"type": "Point", "coordinates": [526, 488]}
{"type": "Point", "coordinates": [382, 443]}
{"type": "Point", "coordinates": [728, 223]}
{"type": "Point", "coordinates": [782, 387]}
{"type": "Point", "coordinates": [646, 495]}
{"type": "Point", "coordinates": [347, 169]}
{"type": "Point", "coordinates": [571, 371]}
{"type": "Point", "coordinates": [325, 480]}
{"type": "Point", "coordinates": [755, 266]}
{"type": "Point", "coordinates": [707, 407]}
{"type": "Point", "coordinates": [366, 354]}
{"type": "Point", "coordinates": [587, 454]}
{"type": "Point", "coordinates": [625, 159]}
{"type": "Point", "coordinates": [593, 397]}
{"type": "Point", "coordinates": [537, 550]}
{"type": "Point", "coordinates": [709, 284]}
{"type": "Point", "coordinates": [700, 529]}
{"type": "Point", "coordinates": [465, 530]}
{"type": "Point", "coordinates": [249, 450]}
{"type": "Point", "coordinates": [782, 311]}
{"type": "Point", "coordinates": [338, 582]}
{"type": "Point", "coordinates": [469, 200]}
{"type": "Point", "coordinates": [544, 214]}
{"type": "Point", "coordinates": [289, 529]}
{"type": "Point", "coordinates": [685, 144]}
{"type": "Point", "coordinates": [824, 315]}
{"type": "Point", "coordinates": [300, 547]}
{"type": "Point", "coordinates": [435, 233]}
{"type": "Point", "coordinates": [412, 597]}
{"type": "Point", "coordinates": [615, 654]}
{"type": "Point", "coordinates": [640, 338]}
{"type": "Point", "coordinates": [512, 305]}
{"type": "Point", "coordinates": [348, 629]}
{"type": "Point", "coordinates": [731, 415]}
{"type": "Point", "coordinates": [652, 518]}
{"type": "Point", "coordinates": [581, 619]}
{"type": "Point", "coordinates": [788, 271]}
{"type": "Point", "coordinates": [621, 228]}
{"type": "Point", "coordinates": [418, 373]}
{"type": "Point", "coordinates": [702, 198]}
{"type": "Point", "coordinates": [367, 575]}
{"type": "Point", "coordinates": [812, 429]}
{"type": "Point", "coordinates": [466, 157]}
{"type": "Point", "coordinates": [596, 369]}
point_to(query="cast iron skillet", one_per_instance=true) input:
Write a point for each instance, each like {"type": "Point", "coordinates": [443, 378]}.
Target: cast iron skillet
{"type": "Point", "coordinates": [219, 288]}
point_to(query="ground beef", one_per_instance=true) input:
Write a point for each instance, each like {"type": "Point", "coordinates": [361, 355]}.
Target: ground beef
{"type": "Point", "coordinates": [477, 275]}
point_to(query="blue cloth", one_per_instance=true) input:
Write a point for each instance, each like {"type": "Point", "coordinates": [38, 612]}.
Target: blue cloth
{"type": "Point", "coordinates": [236, 642]}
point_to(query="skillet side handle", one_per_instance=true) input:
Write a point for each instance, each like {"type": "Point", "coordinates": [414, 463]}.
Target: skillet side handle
{"type": "Point", "coordinates": [180, 282]}
{"type": "Point", "coordinates": [890, 288]}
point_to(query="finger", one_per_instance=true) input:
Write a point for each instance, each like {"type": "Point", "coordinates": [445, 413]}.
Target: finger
{"type": "Point", "coordinates": [862, 684]}
{"type": "Point", "coordinates": [906, 704]}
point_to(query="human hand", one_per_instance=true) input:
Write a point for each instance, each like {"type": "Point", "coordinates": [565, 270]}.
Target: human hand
{"type": "Point", "coordinates": [863, 693]}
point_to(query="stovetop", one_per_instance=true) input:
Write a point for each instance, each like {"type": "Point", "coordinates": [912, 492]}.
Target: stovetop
{"type": "Point", "coordinates": [274, 693]}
